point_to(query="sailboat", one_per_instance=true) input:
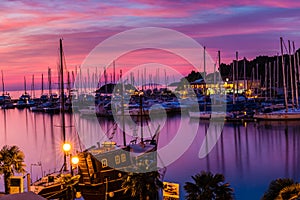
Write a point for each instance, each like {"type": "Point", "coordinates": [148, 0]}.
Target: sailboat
{"type": "Point", "coordinates": [58, 184]}
{"type": "Point", "coordinates": [23, 101]}
{"type": "Point", "coordinates": [5, 99]}
{"type": "Point", "coordinates": [287, 113]}
{"type": "Point", "coordinates": [218, 113]}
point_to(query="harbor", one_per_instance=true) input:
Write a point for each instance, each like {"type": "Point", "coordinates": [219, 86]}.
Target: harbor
{"type": "Point", "coordinates": [265, 88]}
{"type": "Point", "coordinates": [118, 129]}
{"type": "Point", "coordinates": [135, 100]}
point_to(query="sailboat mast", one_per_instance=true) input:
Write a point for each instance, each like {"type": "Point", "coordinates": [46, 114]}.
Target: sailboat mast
{"type": "Point", "coordinates": [122, 109]}
{"type": "Point", "coordinates": [69, 85]}
{"type": "Point", "coordinates": [204, 63]}
{"type": "Point", "coordinates": [105, 80]}
{"type": "Point", "coordinates": [245, 85]}
{"type": "Point", "coordinates": [277, 74]}
{"type": "Point", "coordinates": [295, 76]}
{"type": "Point", "coordinates": [62, 100]}
{"type": "Point", "coordinates": [114, 72]}
{"type": "Point", "coordinates": [219, 68]}
{"type": "Point", "coordinates": [62, 95]}
{"type": "Point", "coordinates": [274, 80]}
{"type": "Point", "coordinates": [233, 81]}
{"type": "Point", "coordinates": [283, 75]}
{"type": "Point", "coordinates": [256, 85]}
{"type": "Point", "coordinates": [215, 65]}
{"type": "Point", "coordinates": [237, 73]}
{"type": "Point", "coordinates": [2, 83]}
{"type": "Point", "coordinates": [298, 63]}
{"type": "Point", "coordinates": [42, 84]}
{"type": "Point", "coordinates": [49, 81]}
{"type": "Point", "coordinates": [266, 80]}
{"type": "Point", "coordinates": [253, 78]}
{"type": "Point", "coordinates": [270, 80]}
{"type": "Point", "coordinates": [257, 77]}
{"type": "Point", "coordinates": [33, 91]}
{"type": "Point", "coordinates": [291, 75]}
{"type": "Point", "coordinates": [25, 85]}
{"type": "Point", "coordinates": [88, 80]}
{"type": "Point", "coordinates": [141, 114]}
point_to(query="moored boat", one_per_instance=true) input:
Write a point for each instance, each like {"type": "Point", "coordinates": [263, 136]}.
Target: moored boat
{"type": "Point", "coordinates": [208, 115]}
{"type": "Point", "coordinates": [290, 114]}
{"type": "Point", "coordinates": [88, 111]}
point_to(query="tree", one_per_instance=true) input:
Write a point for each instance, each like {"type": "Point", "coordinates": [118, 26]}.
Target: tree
{"type": "Point", "coordinates": [142, 186]}
{"type": "Point", "coordinates": [281, 188]}
{"type": "Point", "coordinates": [209, 187]}
{"type": "Point", "coordinates": [11, 162]}
{"type": "Point", "coordinates": [290, 192]}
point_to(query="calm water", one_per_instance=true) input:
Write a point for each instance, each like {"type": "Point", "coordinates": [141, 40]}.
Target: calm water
{"type": "Point", "coordinates": [250, 155]}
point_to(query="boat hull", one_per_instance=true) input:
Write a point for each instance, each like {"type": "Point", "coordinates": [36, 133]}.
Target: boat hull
{"type": "Point", "coordinates": [277, 116]}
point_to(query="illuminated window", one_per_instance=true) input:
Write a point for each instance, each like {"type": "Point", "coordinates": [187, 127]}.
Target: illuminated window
{"type": "Point", "coordinates": [123, 157]}
{"type": "Point", "coordinates": [117, 159]}
{"type": "Point", "coordinates": [104, 162]}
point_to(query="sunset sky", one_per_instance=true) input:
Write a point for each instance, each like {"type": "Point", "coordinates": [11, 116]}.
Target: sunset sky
{"type": "Point", "coordinates": [30, 30]}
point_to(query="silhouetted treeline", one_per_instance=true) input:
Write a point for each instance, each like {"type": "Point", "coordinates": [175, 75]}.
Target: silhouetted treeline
{"type": "Point", "coordinates": [265, 64]}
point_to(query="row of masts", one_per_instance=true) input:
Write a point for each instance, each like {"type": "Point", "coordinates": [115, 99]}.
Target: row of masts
{"type": "Point", "coordinates": [294, 74]}
{"type": "Point", "coordinates": [268, 76]}
{"type": "Point", "coordinates": [43, 88]}
{"type": "Point", "coordinates": [269, 79]}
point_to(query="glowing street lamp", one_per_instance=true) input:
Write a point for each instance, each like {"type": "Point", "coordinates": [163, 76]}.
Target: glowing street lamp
{"type": "Point", "coordinates": [75, 160]}
{"type": "Point", "coordinates": [66, 147]}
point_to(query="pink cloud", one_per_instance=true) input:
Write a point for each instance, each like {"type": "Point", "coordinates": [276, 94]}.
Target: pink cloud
{"type": "Point", "coordinates": [196, 5]}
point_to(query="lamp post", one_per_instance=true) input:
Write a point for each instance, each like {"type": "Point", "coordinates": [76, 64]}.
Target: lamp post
{"type": "Point", "coordinates": [67, 149]}
{"type": "Point", "coordinates": [73, 159]}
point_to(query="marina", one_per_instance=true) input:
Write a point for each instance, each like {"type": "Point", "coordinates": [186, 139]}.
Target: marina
{"type": "Point", "coordinates": [117, 133]}
{"type": "Point", "coordinates": [135, 100]}
{"type": "Point", "coordinates": [114, 130]}
{"type": "Point", "coordinates": [249, 154]}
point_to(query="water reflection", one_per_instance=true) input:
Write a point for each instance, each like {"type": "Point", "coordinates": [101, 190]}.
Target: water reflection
{"type": "Point", "coordinates": [250, 155]}
{"type": "Point", "coordinates": [4, 126]}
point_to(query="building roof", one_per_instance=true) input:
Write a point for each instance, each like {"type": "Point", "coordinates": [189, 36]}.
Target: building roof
{"type": "Point", "coordinates": [198, 81]}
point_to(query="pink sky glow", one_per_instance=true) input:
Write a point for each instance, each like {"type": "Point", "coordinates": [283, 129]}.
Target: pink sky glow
{"type": "Point", "coordinates": [30, 30]}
